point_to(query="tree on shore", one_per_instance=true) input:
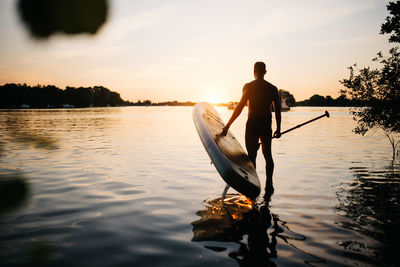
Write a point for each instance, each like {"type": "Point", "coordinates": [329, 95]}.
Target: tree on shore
{"type": "Point", "coordinates": [392, 24]}
{"type": "Point", "coordinates": [379, 89]}
{"type": "Point", "coordinates": [290, 100]}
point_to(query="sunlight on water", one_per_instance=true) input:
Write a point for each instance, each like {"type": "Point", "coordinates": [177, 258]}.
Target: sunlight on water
{"type": "Point", "coordinates": [134, 187]}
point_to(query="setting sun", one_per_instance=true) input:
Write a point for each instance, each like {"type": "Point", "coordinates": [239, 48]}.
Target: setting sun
{"type": "Point", "coordinates": [215, 98]}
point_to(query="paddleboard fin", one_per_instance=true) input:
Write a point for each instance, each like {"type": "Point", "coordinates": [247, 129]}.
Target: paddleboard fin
{"type": "Point", "coordinates": [224, 193]}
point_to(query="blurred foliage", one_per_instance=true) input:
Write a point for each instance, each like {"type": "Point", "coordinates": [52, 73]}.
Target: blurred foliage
{"type": "Point", "coordinates": [46, 17]}
{"type": "Point", "coordinates": [13, 191]}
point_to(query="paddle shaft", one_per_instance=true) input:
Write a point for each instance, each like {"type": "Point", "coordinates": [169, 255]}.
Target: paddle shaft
{"type": "Point", "coordinates": [304, 123]}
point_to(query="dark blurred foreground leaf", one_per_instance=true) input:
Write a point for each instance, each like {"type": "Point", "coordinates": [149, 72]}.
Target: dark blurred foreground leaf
{"type": "Point", "coordinates": [46, 17]}
{"type": "Point", "coordinates": [13, 191]}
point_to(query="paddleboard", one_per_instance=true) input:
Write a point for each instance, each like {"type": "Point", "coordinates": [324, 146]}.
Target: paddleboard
{"type": "Point", "coordinates": [226, 153]}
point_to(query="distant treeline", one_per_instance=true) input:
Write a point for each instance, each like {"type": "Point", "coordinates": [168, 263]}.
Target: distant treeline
{"type": "Point", "coordinates": [167, 103]}
{"type": "Point", "coordinates": [49, 96]}
{"type": "Point", "coordinates": [341, 101]}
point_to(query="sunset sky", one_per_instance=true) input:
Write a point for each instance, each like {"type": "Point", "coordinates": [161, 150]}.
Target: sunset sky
{"type": "Point", "coordinates": [201, 50]}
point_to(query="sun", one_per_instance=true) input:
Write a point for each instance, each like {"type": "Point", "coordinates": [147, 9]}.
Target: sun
{"type": "Point", "coordinates": [214, 98]}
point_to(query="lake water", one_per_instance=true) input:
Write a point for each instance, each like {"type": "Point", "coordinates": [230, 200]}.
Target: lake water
{"type": "Point", "coordinates": [134, 186]}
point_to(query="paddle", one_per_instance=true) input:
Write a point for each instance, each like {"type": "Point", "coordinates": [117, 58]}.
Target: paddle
{"type": "Point", "coordinates": [304, 123]}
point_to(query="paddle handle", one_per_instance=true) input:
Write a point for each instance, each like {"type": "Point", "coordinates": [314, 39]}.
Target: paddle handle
{"type": "Point", "coordinates": [326, 114]}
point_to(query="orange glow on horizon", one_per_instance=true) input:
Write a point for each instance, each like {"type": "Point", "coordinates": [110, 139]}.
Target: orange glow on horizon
{"type": "Point", "coordinates": [214, 98]}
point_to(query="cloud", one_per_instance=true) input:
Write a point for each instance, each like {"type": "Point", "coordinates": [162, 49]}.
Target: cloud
{"type": "Point", "coordinates": [353, 41]}
{"type": "Point", "coordinates": [122, 27]}
{"type": "Point", "coordinates": [302, 15]}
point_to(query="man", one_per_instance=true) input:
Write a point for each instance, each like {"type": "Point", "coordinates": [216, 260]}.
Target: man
{"type": "Point", "coordinates": [259, 94]}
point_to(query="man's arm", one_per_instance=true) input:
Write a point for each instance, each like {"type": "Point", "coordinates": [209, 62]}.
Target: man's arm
{"type": "Point", "coordinates": [236, 112]}
{"type": "Point", "coordinates": [277, 107]}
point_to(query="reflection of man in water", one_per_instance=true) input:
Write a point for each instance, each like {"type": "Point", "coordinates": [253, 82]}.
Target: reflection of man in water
{"type": "Point", "coordinates": [234, 220]}
{"type": "Point", "coordinates": [259, 94]}
{"type": "Point", "coordinates": [260, 249]}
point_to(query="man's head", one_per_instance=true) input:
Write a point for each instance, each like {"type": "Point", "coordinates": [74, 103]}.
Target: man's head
{"type": "Point", "coordinates": [259, 70]}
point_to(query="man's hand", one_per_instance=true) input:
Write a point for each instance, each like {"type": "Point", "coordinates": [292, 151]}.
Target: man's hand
{"type": "Point", "coordinates": [277, 133]}
{"type": "Point", "coordinates": [225, 130]}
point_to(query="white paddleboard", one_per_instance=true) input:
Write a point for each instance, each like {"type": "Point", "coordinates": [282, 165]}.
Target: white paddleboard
{"type": "Point", "coordinates": [226, 153]}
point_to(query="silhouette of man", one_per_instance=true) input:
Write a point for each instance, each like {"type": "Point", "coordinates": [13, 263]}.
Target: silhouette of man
{"type": "Point", "coordinates": [260, 95]}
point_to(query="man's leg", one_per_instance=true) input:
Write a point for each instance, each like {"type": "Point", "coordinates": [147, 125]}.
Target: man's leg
{"type": "Point", "coordinates": [252, 146]}
{"type": "Point", "coordinates": [269, 162]}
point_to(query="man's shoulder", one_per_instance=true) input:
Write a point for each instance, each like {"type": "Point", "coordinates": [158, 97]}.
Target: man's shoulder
{"type": "Point", "coordinates": [253, 83]}
{"type": "Point", "coordinates": [265, 83]}
{"type": "Point", "coordinates": [271, 85]}
{"type": "Point", "coordinates": [249, 84]}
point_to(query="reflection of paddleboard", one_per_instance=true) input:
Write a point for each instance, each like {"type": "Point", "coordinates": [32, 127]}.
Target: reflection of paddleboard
{"type": "Point", "coordinates": [224, 220]}
{"type": "Point", "coordinates": [226, 153]}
